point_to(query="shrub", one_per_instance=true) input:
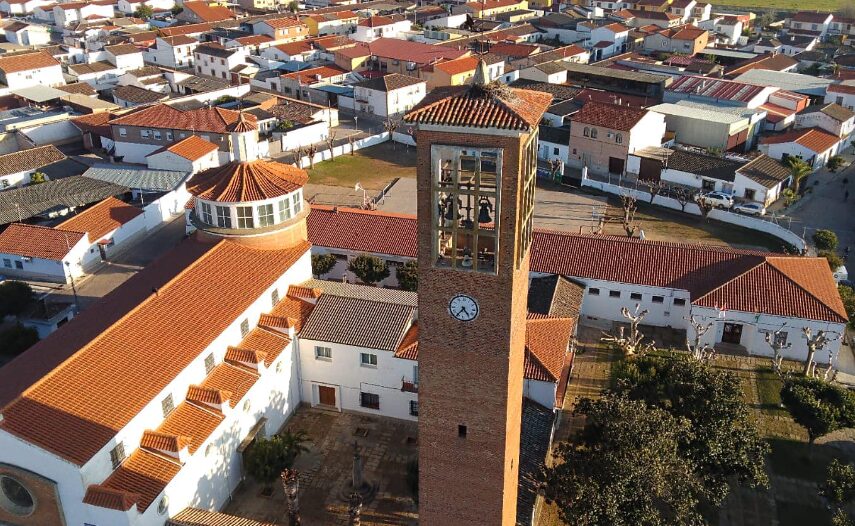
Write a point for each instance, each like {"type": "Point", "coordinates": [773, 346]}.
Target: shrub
{"type": "Point", "coordinates": [834, 163]}
{"type": "Point", "coordinates": [847, 294]}
{"type": "Point", "coordinates": [818, 406]}
{"type": "Point", "coordinates": [17, 339]}
{"type": "Point", "coordinates": [322, 264]}
{"type": "Point", "coordinates": [369, 269]}
{"type": "Point", "coordinates": [267, 457]}
{"type": "Point", "coordinates": [408, 276]}
{"type": "Point", "coordinates": [15, 297]}
{"type": "Point", "coordinates": [834, 260]}
{"type": "Point", "coordinates": [825, 240]}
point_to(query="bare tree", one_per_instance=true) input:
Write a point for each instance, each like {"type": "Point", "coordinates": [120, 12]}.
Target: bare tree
{"type": "Point", "coordinates": [311, 150]}
{"type": "Point", "coordinates": [816, 342]}
{"type": "Point", "coordinates": [705, 206]}
{"type": "Point", "coordinates": [350, 142]}
{"type": "Point", "coordinates": [330, 140]}
{"type": "Point", "coordinates": [390, 125]}
{"type": "Point", "coordinates": [630, 343]}
{"type": "Point", "coordinates": [299, 153]}
{"type": "Point", "coordinates": [682, 196]}
{"type": "Point", "coordinates": [629, 208]}
{"type": "Point", "coordinates": [655, 188]}
{"type": "Point", "coordinates": [776, 342]}
{"type": "Point", "coordinates": [554, 166]}
{"type": "Point", "coordinates": [700, 352]}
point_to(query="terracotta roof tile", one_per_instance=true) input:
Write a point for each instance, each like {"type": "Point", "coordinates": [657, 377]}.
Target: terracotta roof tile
{"type": "Point", "coordinates": [145, 471]}
{"type": "Point", "coordinates": [474, 106]}
{"type": "Point", "coordinates": [81, 88]}
{"type": "Point", "coordinates": [358, 322]}
{"type": "Point", "coordinates": [138, 95]}
{"type": "Point", "coordinates": [101, 219]}
{"type": "Point", "coordinates": [241, 356]}
{"type": "Point", "coordinates": [610, 116]}
{"type": "Point", "coordinates": [815, 139]}
{"type": "Point", "coordinates": [194, 423]}
{"type": "Point", "coordinates": [356, 230]}
{"type": "Point", "coordinates": [207, 396]}
{"type": "Point", "coordinates": [192, 148]}
{"type": "Point", "coordinates": [30, 159]}
{"type": "Point", "coordinates": [282, 23]}
{"type": "Point", "coordinates": [38, 241]}
{"type": "Point", "coordinates": [163, 441]}
{"type": "Point", "coordinates": [231, 378]}
{"type": "Point", "coordinates": [247, 181]}
{"type": "Point", "coordinates": [408, 349]}
{"type": "Point", "coordinates": [215, 120]}
{"type": "Point", "coordinates": [114, 499]}
{"type": "Point", "coordinates": [547, 341]}
{"type": "Point", "coordinates": [267, 345]}
{"type": "Point", "coordinates": [294, 311]}
{"type": "Point", "coordinates": [197, 517]}
{"type": "Point", "coordinates": [72, 411]}
{"type": "Point", "coordinates": [207, 12]}
{"type": "Point", "coordinates": [26, 62]}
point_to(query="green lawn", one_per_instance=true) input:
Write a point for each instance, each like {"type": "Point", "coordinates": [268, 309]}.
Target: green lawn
{"type": "Point", "coordinates": [794, 5]}
{"type": "Point", "coordinates": [791, 458]}
{"type": "Point", "coordinates": [372, 167]}
{"type": "Point", "coordinates": [769, 392]}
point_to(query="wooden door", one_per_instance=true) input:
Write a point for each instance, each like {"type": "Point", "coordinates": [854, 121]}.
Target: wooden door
{"type": "Point", "coordinates": [326, 395]}
{"type": "Point", "coordinates": [615, 165]}
{"type": "Point", "coordinates": [732, 333]}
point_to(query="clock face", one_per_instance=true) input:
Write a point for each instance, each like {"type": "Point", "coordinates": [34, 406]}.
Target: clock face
{"type": "Point", "coordinates": [463, 307]}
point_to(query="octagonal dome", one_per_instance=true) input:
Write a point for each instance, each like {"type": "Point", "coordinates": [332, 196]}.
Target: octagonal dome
{"type": "Point", "coordinates": [238, 182]}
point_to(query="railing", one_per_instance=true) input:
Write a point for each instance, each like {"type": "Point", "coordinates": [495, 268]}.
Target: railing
{"type": "Point", "coordinates": [409, 387]}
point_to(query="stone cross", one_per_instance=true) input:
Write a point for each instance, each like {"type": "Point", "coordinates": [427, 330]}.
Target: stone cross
{"type": "Point", "coordinates": [291, 485]}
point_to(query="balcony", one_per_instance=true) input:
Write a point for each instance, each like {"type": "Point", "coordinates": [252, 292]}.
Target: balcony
{"type": "Point", "coordinates": [409, 387]}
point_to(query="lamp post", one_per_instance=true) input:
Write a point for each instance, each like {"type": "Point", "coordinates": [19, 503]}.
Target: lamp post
{"type": "Point", "coordinates": [73, 288]}
{"type": "Point", "coordinates": [356, 122]}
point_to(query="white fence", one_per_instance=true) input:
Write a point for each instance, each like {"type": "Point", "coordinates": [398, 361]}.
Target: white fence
{"type": "Point", "coordinates": [344, 149]}
{"type": "Point", "coordinates": [753, 223]}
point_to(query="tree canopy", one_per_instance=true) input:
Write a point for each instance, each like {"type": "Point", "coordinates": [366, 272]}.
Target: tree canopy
{"type": "Point", "coordinates": [369, 269]}
{"type": "Point", "coordinates": [15, 297]}
{"type": "Point", "coordinates": [322, 264]}
{"type": "Point", "coordinates": [144, 11]}
{"type": "Point", "coordinates": [724, 442]}
{"type": "Point", "coordinates": [825, 240]}
{"type": "Point", "coordinates": [847, 294]}
{"type": "Point", "coordinates": [818, 406]}
{"type": "Point", "coordinates": [17, 339]}
{"type": "Point", "coordinates": [625, 468]}
{"type": "Point", "coordinates": [267, 457]}
{"type": "Point", "coordinates": [408, 276]}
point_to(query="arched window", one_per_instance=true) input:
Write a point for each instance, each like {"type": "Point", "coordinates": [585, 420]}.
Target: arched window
{"type": "Point", "coordinates": [593, 133]}
{"type": "Point", "coordinates": [587, 132]}
{"type": "Point", "coordinates": [619, 138]}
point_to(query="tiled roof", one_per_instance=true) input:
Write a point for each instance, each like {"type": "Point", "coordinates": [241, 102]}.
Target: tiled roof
{"type": "Point", "coordinates": [266, 344]}
{"type": "Point", "coordinates": [208, 13]}
{"type": "Point", "coordinates": [610, 116]}
{"type": "Point", "coordinates": [773, 61]}
{"type": "Point", "coordinates": [163, 441]}
{"type": "Point", "coordinates": [31, 159]}
{"type": "Point", "coordinates": [206, 396]}
{"type": "Point", "coordinates": [376, 21]}
{"type": "Point", "coordinates": [137, 95]}
{"type": "Point", "coordinates": [812, 17]}
{"type": "Point", "coordinates": [282, 23]}
{"type": "Point", "coordinates": [135, 176]}
{"type": "Point", "coordinates": [715, 88]}
{"type": "Point", "coordinates": [180, 40]}
{"type": "Point", "coordinates": [234, 379]}
{"type": "Point", "coordinates": [314, 75]}
{"type": "Point", "coordinates": [147, 471]}
{"type": "Point", "coordinates": [197, 517]}
{"type": "Point", "coordinates": [254, 40]}
{"type": "Point", "coordinates": [765, 171]}
{"type": "Point", "coordinates": [704, 165]}
{"type": "Point", "coordinates": [547, 341]}
{"type": "Point", "coordinates": [215, 50]}
{"type": "Point", "coordinates": [408, 349]}
{"type": "Point", "coordinates": [390, 82]}
{"type": "Point", "coordinates": [247, 181]}
{"type": "Point", "coordinates": [81, 88]}
{"type": "Point", "coordinates": [356, 230]}
{"type": "Point", "coordinates": [122, 49]}
{"type": "Point", "coordinates": [555, 296]}
{"type": "Point", "coordinates": [72, 412]}
{"type": "Point", "coordinates": [38, 241]}
{"type": "Point", "coordinates": [101, 219]}
{"type": "Point", "coordinates": [814, 139]}
{"type": "Point", "coordinates": [404, 50]}
{"type": "Point", "coordinates": [481, 107]}
{"type": "Point", "coordinates": [846, 86]}
{"type": "Point", "coordinates": [832, 109]}
{"type": "Point", "coordinates": [110, 498]}
{"type": "Point", "coordinates": [189, 29]}
{"type": "Point", "coordinates": [26, 62]}
{"type": "Point", "coordinates": [358, 322]}
{"type": "Point", "coordinates": [191, 148]}
{"type": "Point", "coordinates": [215, 120]}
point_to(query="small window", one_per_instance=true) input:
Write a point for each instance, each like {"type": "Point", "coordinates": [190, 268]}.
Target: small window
{"type": "Point", "coordinates": [247, 405]}
{"type": "Point", "coordinates": [593, 291]}
{"type": "Point", "coordinates": [265, 215]}
{"type": "Point", "coordinates": [614, 294]}
{"type": "Point", "coordinates": [7, 262]}
{"type": "Point", "coordinates": [244, 328]}
{"type": "Point", "coordinates": [209, 363]}
{"type": "Point", "coordinates": [323, 353]}
{"type": "Point", "coordinates": [168, 405]}
{"type": "Point", "coordinates": [19, 265]}
{"type": "Point", "coordinates": [123, 132]}
{"type": "Point", "coordinates": [368, 359]}
{"type": "Point", "coordinates": [593, 133]}
{"type": "Point", "coordinates": [207, 218]}
{"type": "Point", "coordinates": [274, 297]}
{"type": "Point", "coordinates": [679, 302]}
{"type": "Point", "coordinates": [145, 134]}
{"type": "Point", "coordinates": [117, 455]}
{"type": "Point", "coordinates": [414, 408]}
{"type": "Point", "coordinates": [169, 136]}
{"type": "Point", "coordinates": [244, 217]}
{"type": "Point", "coordinates": [224, 217]}
{"type": "Point", "coordinates": [658, 299]}
{"type": "Point", "coordinates": [555, 151]}
{"type": "Point", "coordinates": [781, 338]}
{"type": "Point", "coordinates": [157, 135]}
{"type": "Point", "coordinates": [635, 296]}
{"type": "Point", "coordinates": [297, 201]}
{"type": "Point", "coordinates": [284, 210]}
{"type": "Point", "coordinates": [461, 431]}
{"type": "Point", "coordinates": [369, 400]}
{"type": "Point", "coordinates": [163, 505]}
{"type": "Point", "coordinates": [619, 138]}
{"type": "Point", "coordinates": [587, 132]}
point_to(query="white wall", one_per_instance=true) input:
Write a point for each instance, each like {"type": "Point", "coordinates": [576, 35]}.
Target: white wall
{"type": "Point", "coordinates": [541, 392]}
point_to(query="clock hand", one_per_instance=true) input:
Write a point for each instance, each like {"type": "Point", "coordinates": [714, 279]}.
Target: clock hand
{"type": "Point", "coordinates": [463, 310]}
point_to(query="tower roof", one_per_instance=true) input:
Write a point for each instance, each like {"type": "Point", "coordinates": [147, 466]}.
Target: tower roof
{"type": "Point", "coordinates": [482, 105]}
{"type": "Point", "coordinates": [247, 181]}
{"type": "Point", "coordinates": [242, 125]}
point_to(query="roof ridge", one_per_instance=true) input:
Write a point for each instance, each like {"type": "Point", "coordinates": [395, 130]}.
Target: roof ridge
{"type": "Point", "coordinates": [796, 283]}
{"type": "Point", "coordinates": [104, 333]}
{"type": "Point", "coordinates": [731, 280]}
{"type": "Point", "coordinates": [530, 354]}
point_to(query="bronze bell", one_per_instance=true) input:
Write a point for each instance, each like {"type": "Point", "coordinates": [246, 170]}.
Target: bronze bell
{"type": "Point", "coordinates": [486, 207]}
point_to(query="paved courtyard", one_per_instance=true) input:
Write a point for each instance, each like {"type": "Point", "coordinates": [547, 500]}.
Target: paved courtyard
{"type": "Point", "coordinates": [386, 446]}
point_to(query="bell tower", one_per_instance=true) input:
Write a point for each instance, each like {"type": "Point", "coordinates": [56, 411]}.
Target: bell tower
{"type": "Point", "coordinates": [477, 158]}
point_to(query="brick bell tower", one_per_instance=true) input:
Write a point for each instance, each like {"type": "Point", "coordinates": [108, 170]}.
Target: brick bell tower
{"type": "Point", "coordinates": [477, 158]}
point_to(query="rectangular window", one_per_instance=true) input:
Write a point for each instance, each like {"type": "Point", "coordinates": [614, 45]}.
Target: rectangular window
{"type": "Point", "coordinates": [117, 455]}
{"type": "Point", "coordinates": [614, 294]}
{"type": "Point", "coordinates": [416, 374]}
{"type": "Point", "coordinates": [369, 400]}
{"type": "Point", "coordinates": [209, 363]}
{"type": "Point", "coordinates": [323, 353]}
{"type": "Point", "coordinates": [594, 292]}
{"type": "Point", "coordinates": [206, 213]}
{"type": "Point", "coordinates": [145, 134]}
{"type": "Point", "coordinates": [169, 136]}
{"type": "Point", "coordinates": [284, 210]}
{"type": "Point", "coordinates": [297, 201]}
{"type": "Point", "coordinates": [157, 135]}
{"type": "Point", "coordinates": [7, 263]}
{"type": "Point", "coordinates": [168, 405]}
{"type": "Point", "coordinates": [368, 359]}
{"type": "Point", "coordinates": [462, 431]}
{"type": "Point", "coordinates": [224, 217]}
{"type": "Point", "coordinates": [274, 297]}
{"type": "Point", "coordinates": [658, 299]}
{"type": "Point", "coordinates": [635, 296]}
{"type": "Point", "coordinates": [19, 265]}
{"type": "Point", "coordinates": [244, 328]}
{"type": "Point", "coordinates": [679, 302]}
{"type": "Point", "coordinates": [414, 407]}
{"type": "Point", "coordinates": [265, 215]}
{"type": "Point", "coordinates": [123, 132]}
{"type": "Point", "coordinates": [244, 217]}
{"type": "Point", "coordinates": [781, 338]}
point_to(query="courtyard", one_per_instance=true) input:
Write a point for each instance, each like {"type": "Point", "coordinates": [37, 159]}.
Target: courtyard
{"type": "Point", "coordinates": [386, 446]}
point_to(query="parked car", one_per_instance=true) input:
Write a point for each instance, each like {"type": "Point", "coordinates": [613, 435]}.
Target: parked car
{"type": "Point", "coordinates": [718, 199]}
{"type": "Point", "coordinates": [752, 209]}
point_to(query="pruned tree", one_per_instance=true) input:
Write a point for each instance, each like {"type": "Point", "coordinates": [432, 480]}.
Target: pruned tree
{"type": "Point", "coordinates": [628, 220]}
{"type": "Point", "coordinates": [700, 352]}
{"type": "Point", "coordinates": [322, 264]}
{"type": "Point", "coordinates": [299, 153]}
{"type": "Point", "coordinates": [630, 340]}
{"type": "Point", "coordinates": [816, 342]}
{"type": "Point", "coordinates": [330, 140]}
{"type": "Point", "coordinates": [350, 142]}
{"type": "Point", "coordinates": [408, 276]}
{"type": "Point", "coordinates": [311, 150]}
{"type": "Point", "coordinates": [390, 125]}
{"type": "Point", "coordinates": [705, 206]}
{"type": "Point", "coordinates": [369, 269]}
{"type": "Point", "coordinates": [654, 188]}
{"type": "Point", "coordinates": [776, 342]}
{"type": "Point", "coordinates": [682, 196]}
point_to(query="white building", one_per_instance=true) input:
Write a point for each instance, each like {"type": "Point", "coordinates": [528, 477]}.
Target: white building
{"type": "Point", "coordinates": [831, 117]}
{"type": "Point", "coordinates": [191, 155]}
{"type": "Point", "coordinates": [42, 253]}
{"type": "Point", "coordinates": [30, 69]}
{"type": "Point", "coordinates": [388, 96]}
{"type": "Point", "coordinates": [372, 28]}
{"type": "Point", "coordinates": [813, 145]}
{"type": "Point", "coordinates": [129, 7]}
{"type": "Point", "coordinates": [842, 94]}
{"type": "Point", "coordinates": [70, 13]}
{"type": "Point", "coordinates": [213, 60]}
{"type": "Point", "coordinates": [17, 168]}
{"type": "Point", "coordinates": [25, 34]}
{"type": "Point", "coordinates": [20, 8]}
{"type": "Point", "coordinates": [172, 52]}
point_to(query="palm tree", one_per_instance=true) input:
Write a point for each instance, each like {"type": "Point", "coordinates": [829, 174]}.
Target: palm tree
{"type": "Point", "coordinates": [798, 170]}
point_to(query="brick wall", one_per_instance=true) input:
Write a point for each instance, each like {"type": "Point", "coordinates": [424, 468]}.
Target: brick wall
{"type": "Point", "coordinates": [47, 508]}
